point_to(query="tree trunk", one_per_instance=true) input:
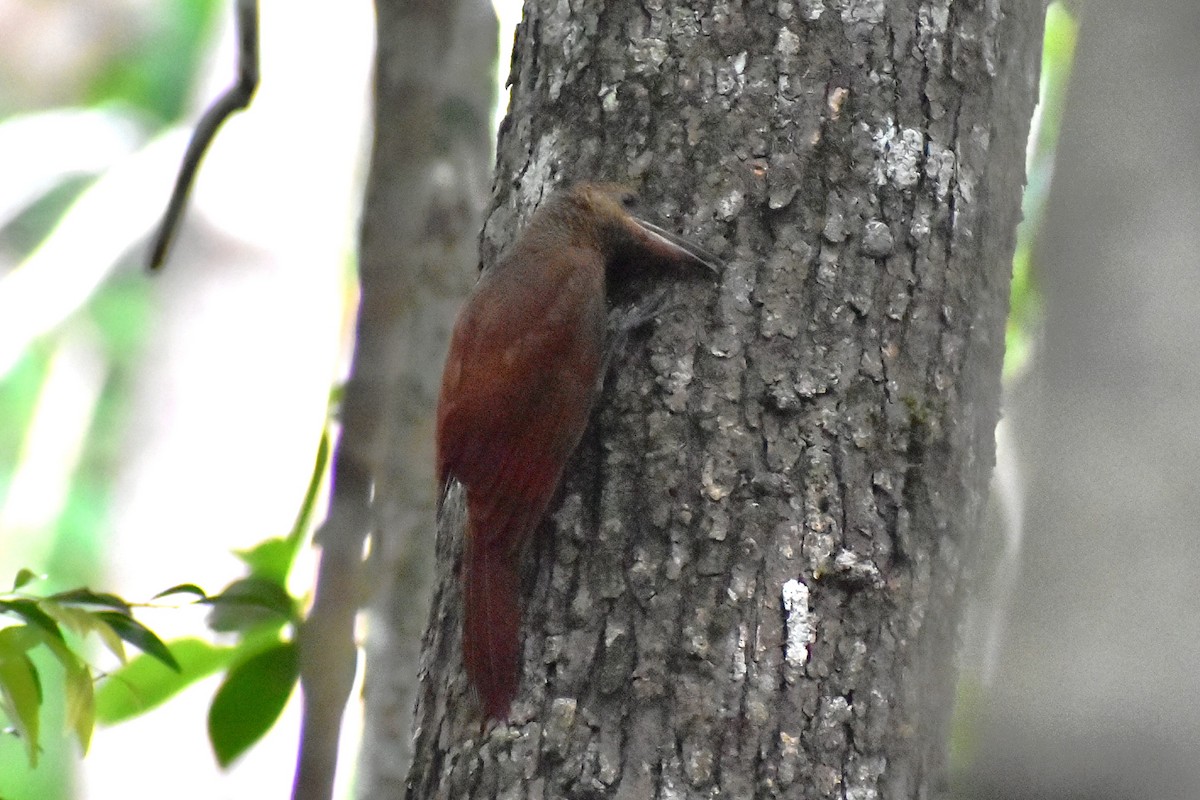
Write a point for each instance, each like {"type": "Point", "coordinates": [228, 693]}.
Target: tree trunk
{"type": "Point", "coordinates": [752, 582]}
{"type": "Point", "coordinates": [426, 193]}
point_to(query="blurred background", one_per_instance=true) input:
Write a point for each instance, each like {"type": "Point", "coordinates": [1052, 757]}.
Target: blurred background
{"type": "Point", "coordinates": [149, 426]}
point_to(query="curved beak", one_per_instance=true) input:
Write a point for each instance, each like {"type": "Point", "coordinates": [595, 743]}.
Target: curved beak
{"type": "Point", "coordinates": [675, 248]}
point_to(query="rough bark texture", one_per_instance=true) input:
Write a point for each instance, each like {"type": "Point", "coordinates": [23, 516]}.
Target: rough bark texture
{"type": "Point", "coordinates": [1097, 694]}
{"type": "Point", "coordinates": [751, 586]}
{"type": "Point", "coordinates": [426, 194]}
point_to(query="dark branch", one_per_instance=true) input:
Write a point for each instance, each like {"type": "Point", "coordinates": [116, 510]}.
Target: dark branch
{"type": "Point", "coordinates": [234, 99]}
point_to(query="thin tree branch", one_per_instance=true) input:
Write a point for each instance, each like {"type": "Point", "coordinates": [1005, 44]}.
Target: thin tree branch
{"type": "Point", "coordinates": [234, 99]}
{"type": "Point", "coordinates": [328, 653]}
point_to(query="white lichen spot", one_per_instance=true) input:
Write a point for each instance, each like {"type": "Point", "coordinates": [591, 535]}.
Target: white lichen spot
{"type": "Point", "coordinates": [799, 623]}
{"type": "Point", "coordinates": [877, 240]}
{"type": "Point", "coordinates": [818, 546]}
{"type": "Point", "coordinates": [739, 654]}
{"type": "Point", "coordinates": [939, 168]}
{"type": "Point", "coordinates": [554, 89]}
{"type": "Point", "coordinates": [720, 528]}
{"type": "Point", "coordinates": [608, 99]}
{"type": "Point", "coordinates": [812, 10]}
{"type": "Point", "coordinates": [934, 17]}
{"type": "Point", "coordinates": [675, 377]}
{"type": "Point", "coordinates": [640, 163]}
{"type": "Point", "coordinates": [656, 52]}
{"type": "Point", "coordinates": [787, 46]}
{"type": "Point", "coordinates": [849, 564]}
{"type": "Point", "coordinates": [730, 78]}
{"type": "Point", "coordinates": [790, 765]}
{"type": "Point", "coordinates": [556, 730]}
{"type": "Point", "coordinates": [699, 765]}
{"type": "Point", "coordinates": [868, 11]}
{"type": "Point", "coordinates": [966, 189]}
{"type": "Point", "coordinates": [897, 154]}
{"type": "Point", "coordinates": [543, 165]}
{"type": "Point", "coordinates": [920, 228]}
{"type": "Point", "coordinates": [675, 562]}
{"type": "Point", "coordinates": [712, 490]}
{"type": "Point", "coordinates": [862, 776]}
{"type": "Point", "coordinates": [835, 101]}
{"type": "Point", "coordinates": [730, 205]}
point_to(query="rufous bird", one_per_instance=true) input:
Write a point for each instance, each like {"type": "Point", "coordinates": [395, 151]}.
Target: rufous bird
{"type": "Point", "coordinates": [525, 366]}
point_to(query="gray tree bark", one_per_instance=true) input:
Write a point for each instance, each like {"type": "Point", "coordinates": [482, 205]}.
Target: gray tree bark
{"type": "Point", "coordinates": [752, 583]}
{"type": "Point", "coordinates": [426, 194]}
{"type": "Point", "coordinates": [1096, 695]}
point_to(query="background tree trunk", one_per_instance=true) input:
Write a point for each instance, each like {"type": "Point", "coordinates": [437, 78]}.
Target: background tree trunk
{"type": "Point", "coordinates": [752, 584]}
{"type": "Point", "coordinates": [1096, 695]}
{"type": "Point", "coordinates": [427, 189]}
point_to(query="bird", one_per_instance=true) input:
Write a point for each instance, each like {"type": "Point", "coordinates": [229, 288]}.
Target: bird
{"type": "Point", "coordinates": [526, 362]}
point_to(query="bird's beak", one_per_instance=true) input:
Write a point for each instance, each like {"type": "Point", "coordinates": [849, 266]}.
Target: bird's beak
{"type": "Point", "coordinates": [676, 248]}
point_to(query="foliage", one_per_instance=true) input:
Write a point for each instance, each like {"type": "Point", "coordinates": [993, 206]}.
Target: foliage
{"type": "Point", "coordinates": [40, 622]}
{"type": "Point", "coordinates": [69, 124]}
{"type": "Point", "coordinates": [261, 669]}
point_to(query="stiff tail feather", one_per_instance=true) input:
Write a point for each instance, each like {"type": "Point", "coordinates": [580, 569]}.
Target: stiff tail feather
{"type": "Point", "coordinates": [491, 623]}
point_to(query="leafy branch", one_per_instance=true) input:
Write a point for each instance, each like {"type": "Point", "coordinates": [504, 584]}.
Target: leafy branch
{"type": "Point", "coordinates": [261, 667]}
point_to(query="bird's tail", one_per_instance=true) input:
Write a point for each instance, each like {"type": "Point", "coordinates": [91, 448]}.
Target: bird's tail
{"type": "Point", "coordinates": [491, 622]}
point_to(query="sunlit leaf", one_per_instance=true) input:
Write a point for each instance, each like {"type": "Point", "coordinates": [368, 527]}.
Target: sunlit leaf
{"type": "Point", "coordinates": [107, 633]}
{"type": "Point", "coordinates": [81, 705]}
{"type": "Point", "coordinates": [21, 692]}
{"type": "Point", "coordinates": [269, 560]}
{"type": "Point", "coordinates": [24, 576]}
{"type": "Point", "coordinates": [16, 639]}
{"type": "Point", "coordinates": [140, 637]}
{"type": "Point", "coordinates": [86, 597]}
{"type": "Point", "coordinates": [145, 682]}
{"type": "Point", "coordinates": [249, 603]}
{"type": "Point", "coordinates": [182, 588]}
{"type": "Point", "coordinates": [250, 700]}
{"type": "Point", "coordinates": [32, 613]}
{"type": "Point", "coordinates": [70, 660]}
{"type": "Point", "coordinates": [82, 621]}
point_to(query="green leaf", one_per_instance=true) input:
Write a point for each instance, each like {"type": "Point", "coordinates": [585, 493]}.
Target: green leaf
{"type": "Point", "coordinates": [86, 597]}
{"type": "Point", "coordinates": [24, 576]}
{"type": "Point", "coordinates": [81, 705]}
{"type": "Point", "coordinates": [182, 588]}
{"type": "Point", "coordinates": [32, 613]}
{"type": "Point", "coordinates": [107, 633]}
{"type": "Point", "coordinates": [70, 660]}
{"type": "Point", "coordinates": [16, 639]}
{"type": "Point", "coordinates": [269, 560]}
{"type": "Point", "coordinates": [248, 603]}
{"type": "Point", "coordinates": [139, 636]}
{"type": "Point", "coordinates": [250, 700]}
{"type": "Point", "coordinates": [21, 693]}
{"type": "Point", "coordinates": [145, 682]}
{"type": "Point", "coordinates": [82, 621]}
